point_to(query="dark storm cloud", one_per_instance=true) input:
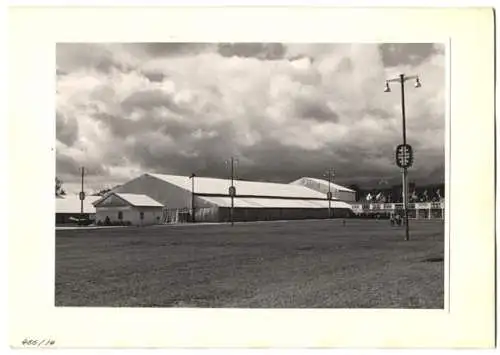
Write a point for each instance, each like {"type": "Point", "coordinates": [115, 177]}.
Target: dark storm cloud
{"type": "Point", "coordinates": [99, 57]}
{"type": "Point", "coordinates": [173, 49]}
{"type": "Point", "coordinates": [122, 127]}
{"type": "Point", "coordinates": [317, 111]}
{"type": "Point", "coordinates": [67, 164]}
{"type": "Point", "coordinates": [276, 162]}
{"type": "Point", "coordinates": [435, 175]}
{"type": "Point", "coordinates": [66, 129]}
{"type": "Point", "coordinates": [378, 112]}
{"type": "Point", "coordinates": [394, 54]}
{"type": "Point", "coordinates": [264, 51]}
{"type": "Point", "coordinates": [154, 76]}
{"type": "Point", "coordinates": [149, 99]}
{"type": "Point", "coordinates": [184, 151]}
{"type": "Point", "coordinates": [284, 163]}
{"type": "Point", "coordinates": [118, 125]}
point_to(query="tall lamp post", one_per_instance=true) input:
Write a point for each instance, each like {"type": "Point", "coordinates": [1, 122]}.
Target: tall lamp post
{"type": "Point", "coordinates": [404, 152]}
{"type": "Point", "coordinates": [329, 174]}
{"type": "Point", "coordinates": [232, 189]}
{"type": "Point", "coordinates": [82, 197]}
{"type": "Point", "coordinates": [193, 218]}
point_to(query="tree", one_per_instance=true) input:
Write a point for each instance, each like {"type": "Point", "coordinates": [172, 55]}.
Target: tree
{"type": "Point", "coordinates": [59, 189]}
{"type": "Point", "coordinates": [101, 192]}
{"type": "Point", "coordinates": [105, 191]}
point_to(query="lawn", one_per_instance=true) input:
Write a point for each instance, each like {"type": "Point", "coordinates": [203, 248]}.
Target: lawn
{"type": "Point", "coordinates": [296, 264]}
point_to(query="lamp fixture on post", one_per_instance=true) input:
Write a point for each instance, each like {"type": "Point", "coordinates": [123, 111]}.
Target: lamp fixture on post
{"type": "Point", "coordinates": [232, 188]}
{"type": "Point", "coordinates": [329, 174]}
{"type": "Point", "coordinates": [193, 218]}
{"type": "Point", "coordinates": [404, 152]}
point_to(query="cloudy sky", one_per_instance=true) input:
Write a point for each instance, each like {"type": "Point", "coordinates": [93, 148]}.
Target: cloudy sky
{"type": "Point", "coordinates": [284, 110]}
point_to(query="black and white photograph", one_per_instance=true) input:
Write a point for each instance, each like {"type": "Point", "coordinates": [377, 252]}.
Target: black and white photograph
{"type": "Point", "coordinates": [250, 175]}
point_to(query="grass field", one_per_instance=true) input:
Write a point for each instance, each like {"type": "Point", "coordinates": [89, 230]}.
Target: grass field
{"type": "Point", "coordinates": [299, 264]}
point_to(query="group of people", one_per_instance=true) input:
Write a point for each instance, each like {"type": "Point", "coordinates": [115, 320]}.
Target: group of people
{"type": "Point", "coordinates": [396, 219]}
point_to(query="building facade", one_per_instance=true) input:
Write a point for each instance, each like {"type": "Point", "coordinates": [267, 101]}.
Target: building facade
{"type": "Point", "coordinates": [209, 199]}
{"type": "Point", "coordinates": [128, 209]}
{"type": "Point", "coordinates": [68, 209]}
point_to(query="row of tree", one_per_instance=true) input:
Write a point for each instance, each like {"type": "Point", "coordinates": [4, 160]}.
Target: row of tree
{"type": "Point", "coordinates": [59, 189]}
{"type": "Point", "coordinates": [60, 192]}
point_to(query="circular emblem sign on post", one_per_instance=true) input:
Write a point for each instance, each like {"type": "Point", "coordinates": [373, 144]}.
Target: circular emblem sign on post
{"type": "Point", "coordinates": [82, 196]}
{"type": "Point", "coordinates": [329, 195]}
{"type": "Point", "coordinates": [404, 155]}
{"type": "Point", "coordinates": [232, 191]}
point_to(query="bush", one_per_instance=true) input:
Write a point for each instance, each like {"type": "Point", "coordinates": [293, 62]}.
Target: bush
{"type": "Point", "coordinates": [84, 222]}
{"type": "Point", "coordinates": [108, 222]}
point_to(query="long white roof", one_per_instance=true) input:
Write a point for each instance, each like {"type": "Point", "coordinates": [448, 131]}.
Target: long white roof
{"type": "Point", "coordinates": [71, 204]}
{"type": "Point", "coordinates": [138, 200]}
{"type": "Point", "coordinates": [213, 186]}
{"type": "Point", "coordinates": [324, 183]}
{"type": "Point", "coordinates": [249, 202]}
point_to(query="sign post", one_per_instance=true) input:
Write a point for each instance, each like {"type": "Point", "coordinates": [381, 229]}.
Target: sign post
{"type": "Point", "coordinates": [82, 197]}
{"type": "Point", "coordinates": [404, 159]}
{"type": "Point", "coordinates": [329, 197]}
{"type": "Point", "coordinates": [232, 194]}
{"type": "Point", "coordinates": [193, 218]}
{"type": "Point", "coordinates": [232, 189]}
{"type": "Point", "coordinates": [329, 174]}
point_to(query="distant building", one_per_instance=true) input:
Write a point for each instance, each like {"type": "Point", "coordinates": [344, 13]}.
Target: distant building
{"type": "Point", "coordinates": [136, 209]}
{"type": "Point", "coordinates": [68, 208]}
{"type": "Point", "coordinates": [253, 201]}
{"type": "Point", "coordinates": [339, 192]}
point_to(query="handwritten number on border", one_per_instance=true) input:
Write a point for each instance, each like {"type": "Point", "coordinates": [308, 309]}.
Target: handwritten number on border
{"type": "Point", "coordinates": [27, 342]}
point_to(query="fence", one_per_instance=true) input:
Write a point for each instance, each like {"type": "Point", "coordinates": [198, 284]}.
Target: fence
{"type": "Point", "coordinates": [421, 210]}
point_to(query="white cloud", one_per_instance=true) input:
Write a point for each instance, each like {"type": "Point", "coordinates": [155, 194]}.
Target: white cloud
{"type": "Point", "coordinates": [124, 109]}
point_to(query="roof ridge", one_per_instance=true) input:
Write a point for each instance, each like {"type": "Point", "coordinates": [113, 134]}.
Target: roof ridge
{"type": "Point", "coordinates": [323, 180]}
{"type": "Point", "coordinates": [227, 179]}
{"type": "Point", "coordinates": [129, 193]}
